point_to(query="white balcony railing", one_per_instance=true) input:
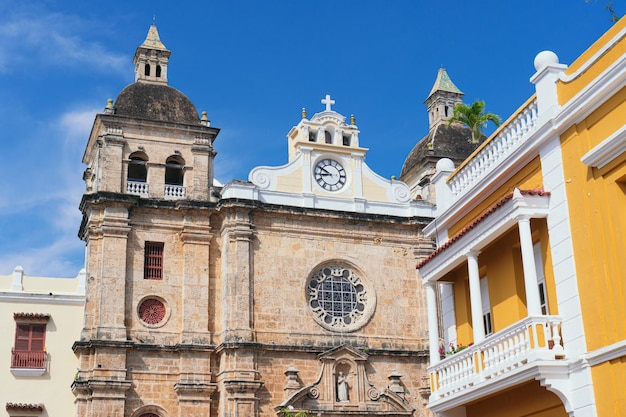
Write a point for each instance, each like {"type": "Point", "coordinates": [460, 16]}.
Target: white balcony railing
{"type": "Point", "coordinates": [507, 138]}
{"type": "Point", "coordinates": [529, 340]}
{"type": "Point", "coordinates": [174, 191]}
{"type": "Point", "coordinates": [137, 187]}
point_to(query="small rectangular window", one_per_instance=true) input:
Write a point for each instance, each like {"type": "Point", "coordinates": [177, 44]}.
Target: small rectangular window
{"type": "Point", "coordinates": [29, 348]}
{"type": "Point", "coordinates": [153, 260]}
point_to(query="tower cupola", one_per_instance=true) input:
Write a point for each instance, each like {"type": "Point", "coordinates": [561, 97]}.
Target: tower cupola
{"type": "Point", "coordinates": [151, 59]}
{"type": "Point", "coordinates": [442, 98]}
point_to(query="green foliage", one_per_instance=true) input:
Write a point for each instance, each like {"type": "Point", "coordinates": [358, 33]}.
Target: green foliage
{"type": "Point", "coordinates": [613, 16]}
{"type": "Point", "coordinates": [293, 413]}
{"type": "Point", "coordinates": [474, 117]}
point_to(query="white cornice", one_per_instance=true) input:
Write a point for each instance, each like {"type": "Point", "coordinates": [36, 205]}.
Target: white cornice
{"type": "Point", "coordinates": [595, 57]}
{"type": "Point", "coordinates": [484, 232]}
{"type": "Point", "coordinates": [62, 299]}
{"type": "Point", "coordinates": [607, 353]}
{"type": "Point", "coordinates": [607, 150]}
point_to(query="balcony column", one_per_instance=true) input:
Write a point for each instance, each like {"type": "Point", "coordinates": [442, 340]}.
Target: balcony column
{"type": "Point", "coordinates": [533, 303]}
{"type": "Point", "coordinates": [475, 298]}
{"type": "Point", "coordinates": [433, 326]}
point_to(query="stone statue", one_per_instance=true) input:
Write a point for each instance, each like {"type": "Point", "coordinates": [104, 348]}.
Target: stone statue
{"type": "Point", "coordinates": [342, 387]}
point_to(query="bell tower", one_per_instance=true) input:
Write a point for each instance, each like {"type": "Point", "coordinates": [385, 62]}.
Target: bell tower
{"type": "Point", "coordinates": [151, 59]}
{"type": "Point", "coordinates": [148, 191]}
{"type": "Point", "coordinates": [442, 98]}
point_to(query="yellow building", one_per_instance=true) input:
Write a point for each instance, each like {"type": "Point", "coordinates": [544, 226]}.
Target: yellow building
{"type": "Point", "coordinates": [526, 301]}
{"type": "Point", "coordinates": [39, 319]}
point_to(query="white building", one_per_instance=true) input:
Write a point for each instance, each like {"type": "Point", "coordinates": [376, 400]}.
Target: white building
{"type": "Point", "coordinates": [40, 317]}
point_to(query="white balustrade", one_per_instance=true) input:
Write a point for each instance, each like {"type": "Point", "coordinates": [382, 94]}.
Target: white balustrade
{"type": "Point", "coordinates": [529, 340]}
{"type": "Point", "coordinates": [137, 187]}
{"type": "Point", "coordinates": [174, 191]}
{"type": "Point", "coordinates": [508, 137]}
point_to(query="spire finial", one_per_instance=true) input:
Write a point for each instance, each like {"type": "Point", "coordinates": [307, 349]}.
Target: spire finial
{"type": "Point", "coordinates": [204, 120]}
{"type": "Point", "coordinates": [352, 119]}
{"type": "Point", "coordinates": [304, 113]}
{"type": "Point", "coordinates": [109, 107]}
{"type": "Point", "coordinates": [154, 20]}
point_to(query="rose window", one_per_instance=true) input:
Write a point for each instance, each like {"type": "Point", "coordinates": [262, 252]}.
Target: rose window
{"type": "Point", "coordinates": [338, 299]}
{"type": "Point", "coordinates": [152, 311]}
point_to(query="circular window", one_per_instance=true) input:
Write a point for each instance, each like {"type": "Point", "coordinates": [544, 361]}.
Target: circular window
{"type": "Point", "coordinates": [338, 299]}
{"type": "Point", "coordinates": [152, 312]}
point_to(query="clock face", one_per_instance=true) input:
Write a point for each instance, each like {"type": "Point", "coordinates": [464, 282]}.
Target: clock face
{"type": "Point", "coordinates": [329, 174]}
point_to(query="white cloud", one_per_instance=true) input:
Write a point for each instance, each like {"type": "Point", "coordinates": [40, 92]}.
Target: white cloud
{"type": "Point", "coordinates": [76, 124]}
{"type": "Point", "coordinates": [32, 38]}
{"type": "Point", "coordinates": [61, 258]}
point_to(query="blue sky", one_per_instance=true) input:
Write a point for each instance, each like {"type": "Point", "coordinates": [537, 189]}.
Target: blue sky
{"type": "Point", "coordinates": [252, 65]}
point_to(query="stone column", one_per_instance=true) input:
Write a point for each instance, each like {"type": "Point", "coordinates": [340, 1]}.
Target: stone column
{"type": "Point", "coordinates": [111, 310]}
{"type": "Point", "coordinates": [533, 303]}
{"type": "Point", "coordinates": [237, 274]}
{"type": "Point", "coordinates": [195, 239]}
{"type": "Point", "coordinates": [475, 299]}
{"type": "Point", "coordinates": [194, 388]}
{"type": "Point", "coordinates": [202, 169]}
{"type": "Point", "coordinates": [110, 166]}
{"type": "Point", "coordinates": [156, 179]}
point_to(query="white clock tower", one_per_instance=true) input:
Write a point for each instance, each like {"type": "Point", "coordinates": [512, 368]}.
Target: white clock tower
{"type": "Point", "coordinates": [327, 169]}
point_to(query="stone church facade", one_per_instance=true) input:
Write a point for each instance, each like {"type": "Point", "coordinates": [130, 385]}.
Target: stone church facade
{"type": "Point", "coordinates": [295, 289]}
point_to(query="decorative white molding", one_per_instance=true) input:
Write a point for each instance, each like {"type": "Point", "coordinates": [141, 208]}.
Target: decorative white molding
{"type": "Point", "coordinates": [28, 372]}
{"type": "Point", "coordinates": [607, 150]}
{"type": "Point", "coordinates": [62, 299]}
{"type": "Point", "coordinates": [606, 353]}
{"type": "Point", "coordinates": [484, 232]}
{"type": "Point", "coordinates": [595, 57]}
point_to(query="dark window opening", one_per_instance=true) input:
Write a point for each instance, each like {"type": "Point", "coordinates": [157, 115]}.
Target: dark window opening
{"type": "Point", "coordinates": [158, 71]}
{"type": "Point", "coordinates": [327, 137]}
{"type": "Point", "coordinates": [312, 136]}
{"type": "Point", "coordinates": [174, 171]}
{"type": "Point", "coordinates": [153, 260]}
{"type": "Point", "coordinates": [346, 140]}
{"type": "Point", "coordinates": [137, 170]}
{"type": "Point", "coordinates": [146, 70]}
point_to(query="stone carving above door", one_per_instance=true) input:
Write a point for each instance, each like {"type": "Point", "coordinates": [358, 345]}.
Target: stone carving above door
{"type": "Point", "coordinates": [343, 388]}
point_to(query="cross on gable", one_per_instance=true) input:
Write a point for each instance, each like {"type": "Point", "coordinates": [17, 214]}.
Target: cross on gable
{"type": "Point", "coordinates": [328, 102]}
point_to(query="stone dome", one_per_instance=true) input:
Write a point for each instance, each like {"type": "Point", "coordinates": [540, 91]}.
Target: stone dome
{"type": "Point", "coordinates": [156, 102]}
{"type": "Point", "coordinates": [447, 142]}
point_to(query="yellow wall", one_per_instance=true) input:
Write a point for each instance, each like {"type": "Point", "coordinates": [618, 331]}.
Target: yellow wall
{"type": "Point", "coordinates": [568, 90]}
{"type": "Point", "coordinates": [610, 396]}
{"type": "Point", "coordinates": [526, 178]}
{"type": "Point", "coordinates": [597, 202]}
{"type": "Point", "coordinates": [544, 403]}
{"type": "Point", "coordinates": [501, 263]}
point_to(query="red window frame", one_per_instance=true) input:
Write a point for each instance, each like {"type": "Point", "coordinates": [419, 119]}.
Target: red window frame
{"type": "Point", "coordinates": [153, 260]}
{"type": "Point", "coordinates": [29, 348]}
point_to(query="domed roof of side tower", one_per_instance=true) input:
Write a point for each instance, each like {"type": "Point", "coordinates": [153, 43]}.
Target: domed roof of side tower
{"type": "Point", "coordinates": [442, 141]}
{"type": "Point", "coordinates": [150, 97]}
